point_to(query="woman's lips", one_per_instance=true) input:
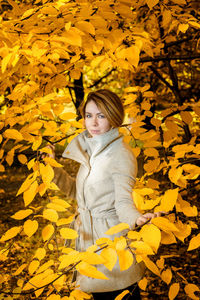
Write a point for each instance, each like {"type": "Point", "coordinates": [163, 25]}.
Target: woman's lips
{"type": "Point", "coordinates": [95, 131]}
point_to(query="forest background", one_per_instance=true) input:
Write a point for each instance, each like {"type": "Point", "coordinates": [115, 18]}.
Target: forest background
{"type": "Point", "coordinates": [52, 54]}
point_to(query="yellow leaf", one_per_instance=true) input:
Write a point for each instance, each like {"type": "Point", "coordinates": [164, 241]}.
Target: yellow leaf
{"type": "Point", "coordinates": [29, 194]}
{"type": "Point", "coordinates": [125, 259]}
{"type": "Point", "coordinates": [60, 202]}
{"type": "Point", "coordinates": [30, 227]}
{"type": "Point", "coordinates": [151, 235]}
{"type": "Point", "coordinates": [151, 3]}
{"type": "Point", "coordinates": [68, 233]}
{"type": "Point", "coordinates": [47, 173]}
{"type": "Point", "coordinates": [194, 243]}
{"type": "Point", "coordinates": [67, 116]}
{"type": "Point", "coordinates": [90, 271]}
{"type": "Point", "coordinates": [143, 283]}
{"type": "Point", "coordinates": [167, 238]}
{"type": "Point", "coordinates": [85, 26]}
{"type": "Point", "coordinates": [52, 162]}
{"type": "Point", "coordinates": [65, 221]}
{"type": "Point", "coordinates": [173, 290]}
{"type": "Point", "coordinates": [5, 62]}
{"type": "Point", "coordinates": [91, 258]}
{"type": "Point", "coordinates": [190, 289]}
{"type": "Point", "coordinates": [121, 243]}
{"type": "Point", "coordinates": [45, 266]}
{"type": "Point", "coordinates": [141, 248]}
{"type": "Point", "coordinates": [22, 158]}
{"type": "Point", "coordinates": [33, 266]}
{"type": "Point", "coordinates": [78, 294]}
{"type": "Point", "coordinates": [50, 214]}
{"type": "Point", "coordinates": [110, 257]}
{"type": "Point", "coordinates": [2, 168]}
{"type": "Point", "coordinates": [134, 235]}
{"type": "Point", "coordinates": [166, 276]}
{"type": "Point", "coordinates": [151, 152]}
{"type": "Point", "coordinates": [152, 165]}
{"type": "Point", "coordinates": [67, 260]}
{"type": "Point", "coordinates": [20, 269]}
{"type": "Point", "coordinates": [72, 37]}
{"type": "Point", "coordinates": [13, 134]}
{"type": "Point", "coordinates": [184, 231]}
{"type": "Point", "coordinates": [183, 27]}
{"type": "Point", "coordinates": [47, 232]}
{"type": "Point", "coordinates": [151, 266]}
{"type": "Point", "coordinates": [169, 200]}
{"type": "Point", "coordinates": [164, 224]}
{"type": "Point", "coordinates": [117, 228]}
{"type": "Point", "coordinates": [37, 142]}
{"type": "Point", "coordinates": [10, 233]}
{"type": "Point", "coordinates": [40, 253]}
{"type": "Point", "coordinates": [31, 163]}
{"type": "Point", "coordinates": [56, 207]}
{"type": "Point", "coordinates": [121, 295]}
{"type": "Point", "coordinates": [186, 117]}
{"type": "Point", "coordinates": [22, 214]}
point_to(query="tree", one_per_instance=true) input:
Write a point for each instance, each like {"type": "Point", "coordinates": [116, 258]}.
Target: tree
{"type": "Point", "coordinates": [52, 53]}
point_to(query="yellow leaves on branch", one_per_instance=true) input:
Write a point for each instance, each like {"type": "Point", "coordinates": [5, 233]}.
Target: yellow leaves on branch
{"type": "Point", "coordinates": [11, 233]}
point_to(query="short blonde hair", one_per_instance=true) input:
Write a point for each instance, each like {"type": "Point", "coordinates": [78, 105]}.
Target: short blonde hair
{"type": "Point", "coordinates": [109, 104]}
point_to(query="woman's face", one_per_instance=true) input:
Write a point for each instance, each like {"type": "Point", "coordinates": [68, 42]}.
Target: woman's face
{"type": "Point", "coordinates": [95, 121]}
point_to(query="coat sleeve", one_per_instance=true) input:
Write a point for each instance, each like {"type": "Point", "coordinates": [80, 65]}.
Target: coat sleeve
{"type": "Point", "coordinates": [124, 177]}
{"type": "Point", "coordinates": [65, 182]}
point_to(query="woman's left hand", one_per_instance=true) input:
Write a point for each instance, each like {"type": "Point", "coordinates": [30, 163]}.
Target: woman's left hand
{"type": "Point", "coordinates": [148, 216]}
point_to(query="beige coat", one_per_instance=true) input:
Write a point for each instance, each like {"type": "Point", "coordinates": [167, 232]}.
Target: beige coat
{"type": "Point", "coordinates": [104, 195]}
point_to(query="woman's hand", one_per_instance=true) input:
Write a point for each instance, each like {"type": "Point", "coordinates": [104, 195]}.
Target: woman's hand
{"type": "Point", "coordinates": [148, 216]}
{"type": "Point", "coordinates": [52, 154]}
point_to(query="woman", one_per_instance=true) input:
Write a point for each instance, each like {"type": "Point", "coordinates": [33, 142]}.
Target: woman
{"type": "Point", "coordinates": [103, 189]}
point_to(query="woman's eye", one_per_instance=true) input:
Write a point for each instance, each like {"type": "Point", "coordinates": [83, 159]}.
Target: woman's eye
{"type": "Point", "coordinates": [87, 116]}
{"type": "Point", "coordinates": [101, 116]}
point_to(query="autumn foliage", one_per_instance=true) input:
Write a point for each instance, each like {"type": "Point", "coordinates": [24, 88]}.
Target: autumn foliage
{"type": "Point", "coordinates": [52, 53]}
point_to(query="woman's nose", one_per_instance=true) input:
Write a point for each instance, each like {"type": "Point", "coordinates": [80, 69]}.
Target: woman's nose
{"type": "Point", "coordinates": [94, 121]}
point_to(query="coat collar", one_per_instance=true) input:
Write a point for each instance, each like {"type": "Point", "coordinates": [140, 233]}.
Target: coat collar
{"type": "Point", "coordinates": [82, 147]}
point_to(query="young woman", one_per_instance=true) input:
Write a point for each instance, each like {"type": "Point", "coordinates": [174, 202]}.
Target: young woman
{"type": "Point", "coordinates": [103, 189]}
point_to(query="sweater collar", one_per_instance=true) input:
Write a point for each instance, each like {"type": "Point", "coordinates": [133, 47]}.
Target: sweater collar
{"type": "Point", "coordinates": [82, 148]}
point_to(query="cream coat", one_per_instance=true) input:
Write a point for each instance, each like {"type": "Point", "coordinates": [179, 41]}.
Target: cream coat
{"type": "Point", "coordinates": [103, 191]}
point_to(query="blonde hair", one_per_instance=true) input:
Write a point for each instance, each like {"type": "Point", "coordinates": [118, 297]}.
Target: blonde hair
{"type": "Point", "coordinates": [109, 104]}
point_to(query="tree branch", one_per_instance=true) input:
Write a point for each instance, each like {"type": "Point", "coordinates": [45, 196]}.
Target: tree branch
{"type": "Point", "coordinates": [168, 58]}
{"type": "Point", "coordinates": [100, 79]}
{"type": "Point", "coordinates": [161, 78]}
